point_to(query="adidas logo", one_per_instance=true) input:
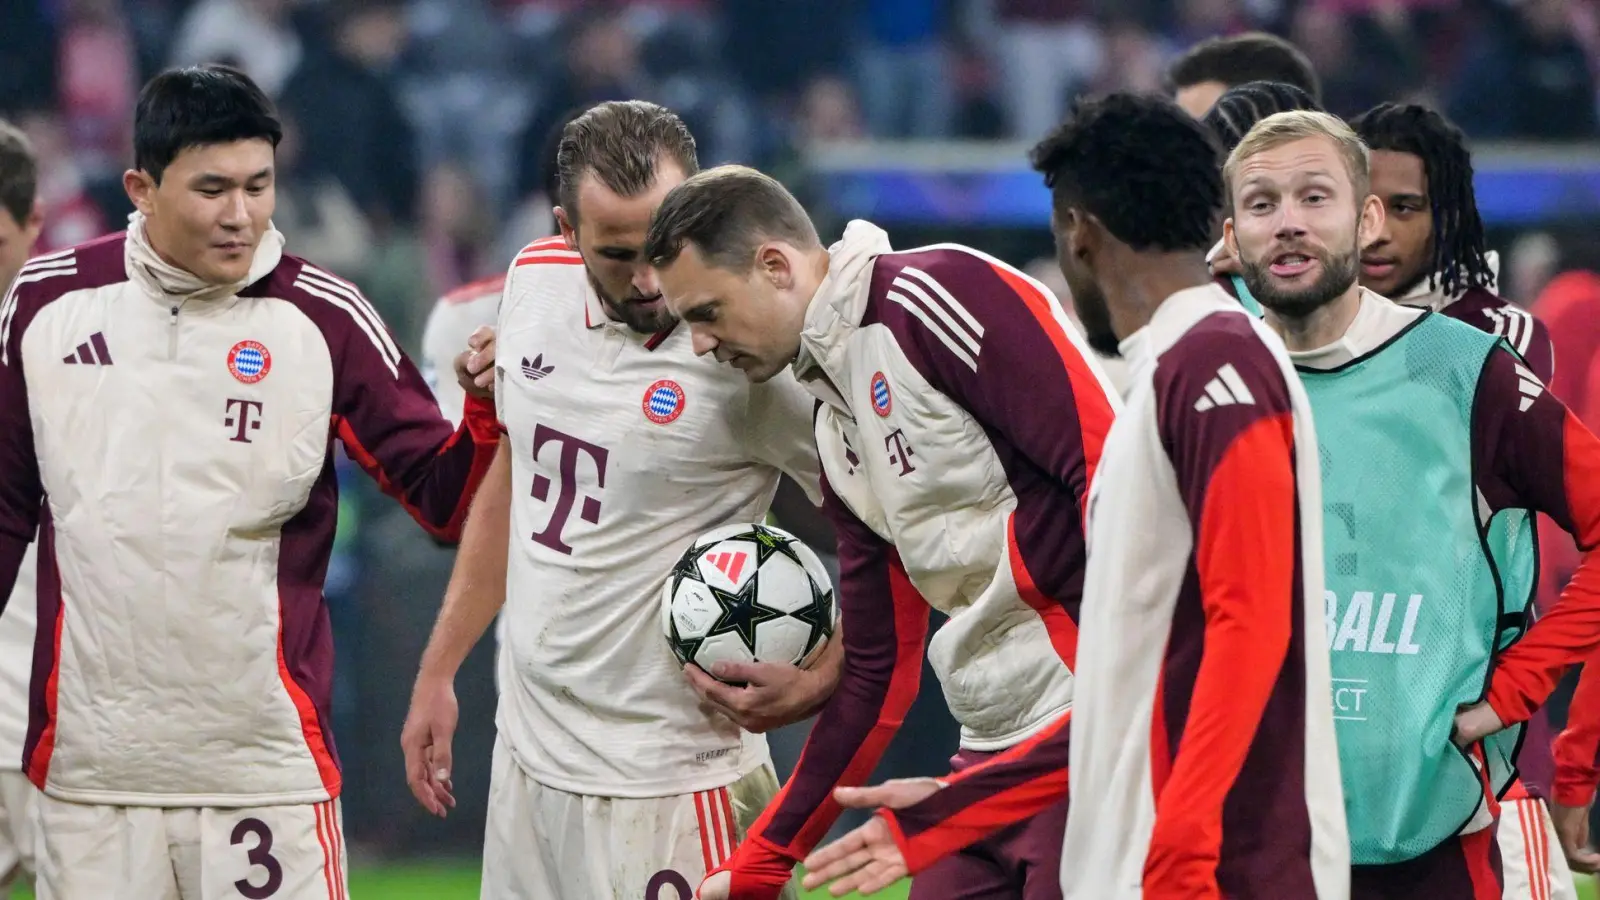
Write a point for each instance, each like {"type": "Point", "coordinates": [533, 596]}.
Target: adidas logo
{"type": "Point", "coordinates": [92, 352]}
{"type": "Point", "coordinates": [1227, 389]}
{"type": "Point", "coordinates": [536, 369]}
{"type": "Point", "coordinates": [730, 564]}
{"type": "Point", "coordinates": [1530, 387]}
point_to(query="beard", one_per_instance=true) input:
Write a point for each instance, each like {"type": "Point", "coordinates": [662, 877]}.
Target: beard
{"type": "Point", "coordinates": [629, 311]}
{"type": "Point", "coordinates": [1095, 317]}
{"type": "Point", "coordinates": [1338, 274]}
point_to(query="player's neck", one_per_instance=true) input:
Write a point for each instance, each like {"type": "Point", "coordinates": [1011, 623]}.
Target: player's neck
{"type": "Point", "coordinates": [1323, 326]}
{"type": "Point", "coordinates": [1151, 279]}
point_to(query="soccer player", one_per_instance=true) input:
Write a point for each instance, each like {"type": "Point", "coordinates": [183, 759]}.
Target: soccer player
{"type": "Point", "coordinates": [1431, 253]}
{"type": "Point", "coordinates": [1208, 69]}
{"type": "Point", "coordinates": [610, 777]}
{"type": "Point", "coordinates": [19, 228]}
{"type": "Point", "coordinates": [961, 424]}
{"type": "Point", "coordinates": [1432, 433]}
{"type": "Point", "coordinates": [1202, 760]}
{"type": "Point", "coordinates": [169, 398]}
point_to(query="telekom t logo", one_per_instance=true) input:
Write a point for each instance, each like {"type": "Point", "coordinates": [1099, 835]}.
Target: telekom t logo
{"type": "Point", "coordinates": [900, 452]}
{"type": "Point", "coordinates": [567, 495]}
{"type": "Point", "coordinates": [242, 422]}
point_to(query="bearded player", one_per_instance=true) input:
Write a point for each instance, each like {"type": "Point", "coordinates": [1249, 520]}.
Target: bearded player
{"type": "Point", "coordinates": [610, 777]}
{"type": "Point", "coordinates": [1435, 437]}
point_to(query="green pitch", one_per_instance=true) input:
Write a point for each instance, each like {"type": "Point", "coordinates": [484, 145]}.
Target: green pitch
{"type": "Point", "coordinates": [445, 881]}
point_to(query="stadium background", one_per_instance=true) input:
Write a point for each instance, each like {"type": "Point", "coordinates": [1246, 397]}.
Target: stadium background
{"type": "Point", "coordinates": [410, 166]}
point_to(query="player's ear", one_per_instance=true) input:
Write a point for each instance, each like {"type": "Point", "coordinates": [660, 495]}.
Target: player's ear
{"type": "Point", "coordinates": [773, 263]}
{"type": "Point", "coordinates": [1371, 225]}
{"type": "Point", "coordinates": [1230, 240]}
{"type": "Point", "coordinates": [569, 230]}
{"type": "Point", "coordinates": [141, 189]}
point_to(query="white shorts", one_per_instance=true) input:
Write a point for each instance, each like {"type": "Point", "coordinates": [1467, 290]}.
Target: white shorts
{"type": "Point", "coordinates": [280, 852]}
{"type": "Point", "coordinates": [546, 843]}
{"type": "Point", "coordinates": [1535, 868]}
{"type": "Point", "coordinates": [17, 795]}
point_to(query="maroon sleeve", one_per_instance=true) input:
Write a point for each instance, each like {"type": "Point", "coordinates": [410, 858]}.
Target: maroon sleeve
{"type": "Point", "coordinates": [1533, 453]}
{"type": "Point", "coordinates": [1541, 354]}
{"type": "Point", "coordinates": [885, 623]}
{"type": "Point", "coordinates": [384, 412]}
{"type": "Point", "coordinates": [20, 490]}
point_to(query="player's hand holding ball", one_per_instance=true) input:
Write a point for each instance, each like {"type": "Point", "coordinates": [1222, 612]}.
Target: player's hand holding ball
{"type": "Point", "coordinates": [750, 612]}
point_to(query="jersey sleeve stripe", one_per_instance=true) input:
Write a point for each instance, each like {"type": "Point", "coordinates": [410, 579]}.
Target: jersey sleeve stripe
{"type": "Point", "coordinates": [973, 325]}
{"type": "Point", "coordinates": [1058, 624]}
{"type": "Point", "coordinates": [933, 327]}
{"type": "Point", "coordinates": [359, 306]}
{"type": "Point", "coordinates": [1093, 407]}
{"type": "Point", "coordinates": [969, 337]}
{"type": "Point", "coordinates": [8, 310]}
{"type": "Point", "coordinates": [552, 259]}
{"type": "Point", "coordinates": [389, 360]}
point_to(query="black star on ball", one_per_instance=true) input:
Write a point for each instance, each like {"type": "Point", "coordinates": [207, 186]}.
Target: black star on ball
{"type": "Point", "coordinates": [818, 614]}
{"type": "Point", "coordinates": [682, 647]}
{"type": "Point", "coordinates": [770, 543]}
{"type": "Point", "coordinates": [741, 612]}
{"type": "Point", "coordinates": [688, 567]}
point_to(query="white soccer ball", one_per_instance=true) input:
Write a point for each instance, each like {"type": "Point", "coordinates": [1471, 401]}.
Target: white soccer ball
{"type": "Point", "coordinates": [748, 593]}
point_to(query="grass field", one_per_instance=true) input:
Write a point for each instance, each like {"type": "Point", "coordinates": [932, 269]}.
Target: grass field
{"type": "Point", "coordinates": [460, 882]}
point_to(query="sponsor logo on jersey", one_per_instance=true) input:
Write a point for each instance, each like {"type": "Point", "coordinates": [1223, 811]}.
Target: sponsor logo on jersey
{"type": "Point", "coordinates": [536, 369]}
{"type": "Point", "coordinates": [93, 352]}
{"type": "Point", "coordinates": [249, 361]}
{"type": "Point", "coordinates": [663, 401]}
{"type": "Point", "coordinates": [1373, 623]}
{"type": "Point", "coordinates": [882, 403]}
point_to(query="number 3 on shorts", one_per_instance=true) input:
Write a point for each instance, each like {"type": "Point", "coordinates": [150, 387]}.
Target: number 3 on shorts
{"type": "Point", "coordinates": [260, 857]}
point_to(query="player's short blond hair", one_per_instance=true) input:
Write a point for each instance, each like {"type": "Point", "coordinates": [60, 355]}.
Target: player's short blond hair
{"type": "Point", "coordinates": [1297, 125]}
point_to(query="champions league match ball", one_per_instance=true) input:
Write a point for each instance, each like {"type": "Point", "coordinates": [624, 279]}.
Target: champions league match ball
{"type": "Point", "coordinates": [748, 593]}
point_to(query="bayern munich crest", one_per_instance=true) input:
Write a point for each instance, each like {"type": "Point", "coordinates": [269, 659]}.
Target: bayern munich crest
{"type": "Point", "coordinates": [249, 361]}
{"type": "Point", "coordinates": [882, 403]}
{"type": "Point", "coordinates": [663, 401]}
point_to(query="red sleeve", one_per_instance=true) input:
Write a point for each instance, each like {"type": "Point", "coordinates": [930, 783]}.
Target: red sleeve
{"type": "Point", "coordinates": [885, 623]}
{"type": "Point", "coordinates": [1226, 419]}
{"type": "Point", "coordinates": [1015, 786]}
{"type": "Point", "coordinates": [1533, 453]}
{"type": "Point", "coordinates": [1577, 748]}
{"type": "Point", "coordinates": [385, 414]}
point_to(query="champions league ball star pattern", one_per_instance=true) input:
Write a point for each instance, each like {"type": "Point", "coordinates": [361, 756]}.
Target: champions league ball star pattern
{"type": "Point", "coordinates": [748, 593]}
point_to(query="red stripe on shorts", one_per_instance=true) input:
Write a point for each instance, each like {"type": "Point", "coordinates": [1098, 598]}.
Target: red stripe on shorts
{"type": "Point", "coordinates": [705, 832]}
{"type": "Point", "coordinates": [727, 813]}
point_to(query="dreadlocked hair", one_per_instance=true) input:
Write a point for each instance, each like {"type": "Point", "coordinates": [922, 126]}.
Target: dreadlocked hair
{"type": "Point", "coordinates": [1242, 106]}
{"type": "Point", "coordinates": [1460, 249]}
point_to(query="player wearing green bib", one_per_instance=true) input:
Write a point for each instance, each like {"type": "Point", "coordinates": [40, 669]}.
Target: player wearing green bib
{"type": "Point", "coordinates": [1437, 442]}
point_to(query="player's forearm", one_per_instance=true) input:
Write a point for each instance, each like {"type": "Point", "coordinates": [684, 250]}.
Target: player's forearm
{"type": "Point", "coordinates": [1567, 634]}
{"type": "Point", "coordinates": [477, 587]}
{"type": "Point", "coordinates": [1577, 748]}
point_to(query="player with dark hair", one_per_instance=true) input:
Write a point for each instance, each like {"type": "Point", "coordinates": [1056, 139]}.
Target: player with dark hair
{"type": "Point", "coordinates": [612, 777]}
{"type": "Point", "coordinates": [169, 398]}
{"type": "Point", "coordinates": [1432, 251]}
{"type": "Point", "coordinates": [1208, 69]}
{"type": "Point", "coordinates": [961, 423]}
{"type": "Point", "coordinates": [1438, 445]}
{"type": "Point", "coordinates": [1230, 119]}
{"type": "Point", "coordinates": [20, 222]}
{"type": "Point", "coordinates": [1202, 761]}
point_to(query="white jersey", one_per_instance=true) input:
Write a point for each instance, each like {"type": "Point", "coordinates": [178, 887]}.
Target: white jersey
{"type": "Point", "coordinates": [16, 663]}
{"type": "Point", "coordinates": [626, 448]}
{"type": "Point", "coordinates": [454, 318]}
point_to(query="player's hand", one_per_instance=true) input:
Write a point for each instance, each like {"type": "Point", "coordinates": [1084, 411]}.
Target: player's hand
{"type": "Point", "coordinates": [1476, 722]}
{"type": "Point", "coordinates": [774, 694]}
{"type": "Point", "coordinates": [425, 739]}
{"type": "Point", "coordinates": [867, 860]}
{"type": "Point", "coordinates": [475, 365]}
{"type": "Point", "coordinates": [717, 886]}
{"type": "Point", "coordinates": [1572, 830]}
{"type": "Point", "coordinates": [1225, 263]}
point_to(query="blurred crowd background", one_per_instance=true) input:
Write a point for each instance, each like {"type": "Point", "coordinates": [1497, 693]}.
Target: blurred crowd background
{"type": "Point", "coordinates": [412, 164]}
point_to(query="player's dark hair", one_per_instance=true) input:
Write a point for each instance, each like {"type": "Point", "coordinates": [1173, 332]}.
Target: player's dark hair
{"type": "Point", "coordinates": [1240, 108]}
{"type": "Point", "coordinates": [1243, 58]}
{"type": "Point", "coordinates": [726, 213]}
{"type": "Point", "coordinates": [1147, 170]}
{"type": "Point", "coordinates": [19, 173]}
{"type": "Point", "coordinates": [1460, 248]}
{"type": "Point", "coordinates": [623, 143]}
{"type": "Point", "coordinates": [196, 107]}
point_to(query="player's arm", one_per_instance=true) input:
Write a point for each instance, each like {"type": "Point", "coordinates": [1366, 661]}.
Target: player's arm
{"type": "Point", "coordinates": [475, 594]}
{"type": "Point", "coordinates": [1540, 351]}
{"type": "Point", "coordinates": [886, 622]}
{"type": "Point", "coordinates": [20, 489]}
{"type": "Point", "coordinates": [1535, 454]}
{"type": "Point", "coordinates": [390, 424]}
{"type": "Point", "coordinates": [1234, 466]}
{"type": "Point", "coordinates": [1577, 748]}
